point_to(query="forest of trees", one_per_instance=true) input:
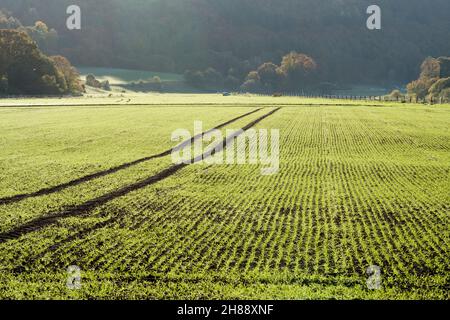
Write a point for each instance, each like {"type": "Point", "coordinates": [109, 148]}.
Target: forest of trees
{"type": "Point", "coordinates": [234, 37]}
{"type": "Point", "coordinates": [46, 38]}
{"type": "Point", "coordinates": [24, 69]}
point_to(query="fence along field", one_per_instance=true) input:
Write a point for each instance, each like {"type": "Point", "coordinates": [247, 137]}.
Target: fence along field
{"type": "Point", "coordinates": [358, 186]}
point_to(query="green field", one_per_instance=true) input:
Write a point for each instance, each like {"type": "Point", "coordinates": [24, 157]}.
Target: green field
{"type": "Point", "coordinates": [360, 184]}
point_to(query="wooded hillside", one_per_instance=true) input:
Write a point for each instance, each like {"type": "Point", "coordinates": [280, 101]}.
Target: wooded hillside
{"type": "Point", "coordinates": [180, 35]}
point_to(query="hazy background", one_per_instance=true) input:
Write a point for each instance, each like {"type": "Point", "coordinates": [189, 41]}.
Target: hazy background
{"type": "Point", "coordinates": [238, 35]}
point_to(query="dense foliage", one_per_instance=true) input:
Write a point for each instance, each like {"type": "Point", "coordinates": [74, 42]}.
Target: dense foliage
{"type": "Point", "coordinates": [45, 37]}
{"type": "Point", "coordinates": [24, 69]}
{"type": "Point", "coordinates": [236, 36]}
{"type": "Point", "coordinates": [297, 71]}
{"type": "Point", "coordinates": [434, 80]}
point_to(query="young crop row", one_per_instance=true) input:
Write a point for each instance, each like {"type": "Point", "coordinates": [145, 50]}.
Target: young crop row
{"type": "Point", "coordinates": [70, 204]}
{"type": "Point", "coordinates": [357, 187]}
{"type": "Point", "coordinates": [46, 147]}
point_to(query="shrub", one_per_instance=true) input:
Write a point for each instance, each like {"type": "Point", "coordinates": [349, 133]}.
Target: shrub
{"type": "Point", "coordinates": [396, 95]}
{"type": "Point", "coordinates": [105, 85]}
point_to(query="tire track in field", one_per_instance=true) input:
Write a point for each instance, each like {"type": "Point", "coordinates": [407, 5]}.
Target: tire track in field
{"type": "Point", "coordinates": [84, 208]}
{"type": "Point", "coordinates": [99, 174]}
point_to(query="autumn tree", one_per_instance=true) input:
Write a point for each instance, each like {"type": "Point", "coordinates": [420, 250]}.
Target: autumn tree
{"type": "Point", "coordinates": [270, 75]}
{"type": "Point", "coordinates": [438, 88]}
{"type": "Point", "coordinates": [252, 83]}
{"type": "Point", "coordinates": [419, 88]}
{"type": "Point", "coordinates": [71, 75]}
{"type": "Point", "coordinates": [430, 82]}
{"type": "Point", "coordinates": [430, 68]}
{"type": "Point", "coordinates": [26, 69]}
{"type": "Point", "coordinates": [298, 69]}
